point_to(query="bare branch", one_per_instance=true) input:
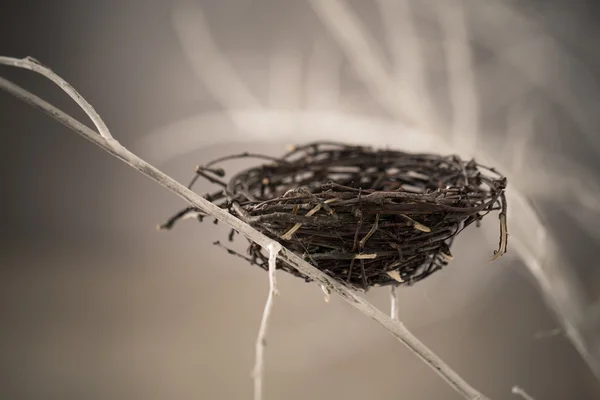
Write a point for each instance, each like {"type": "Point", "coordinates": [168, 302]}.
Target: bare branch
{"type": "Point", "coordinates": [208, 62]}
{"type": "Point", "coordinates": [394, 303]}
{"type": "Point", "coordinates": [261, 341]}
{"type": "Point", "coordinates": [461, 80]}
{"type": "Point", "coordinates": [35, 66]}
{"type": "Point", "coordinates": [521, 392]}
{"type": "Point", "coordinates": [116, 149]}
{"type": "Point", "coordinates": [367, 60]}
{"type": "Point", "coordinates": [407, 48]}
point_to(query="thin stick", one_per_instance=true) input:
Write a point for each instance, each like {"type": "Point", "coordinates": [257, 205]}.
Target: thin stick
{"type": "Point", "coordinates": [116, 149]}
{"type": "Point", "coordinates": [521, 392]}
{"type": "Point", "coordinates": [394, 303]}
{"type": "Point", "coordinates": [35, 66]}
{"type": "Point", "coordinates": [261, 341]}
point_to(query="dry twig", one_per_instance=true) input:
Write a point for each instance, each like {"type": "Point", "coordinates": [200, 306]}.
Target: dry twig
{"type": "Point", "coordinates": [516, 390]}
{"type": "Point", "coordinates": [261, 341]}
{"type": "Point", "coordinates": [394, 303]}
{"type": "Point", "coordinates": [116, 149]}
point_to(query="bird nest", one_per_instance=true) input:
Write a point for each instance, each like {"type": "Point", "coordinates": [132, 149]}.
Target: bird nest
{"type": "Point", "coordinates": [363, 216]}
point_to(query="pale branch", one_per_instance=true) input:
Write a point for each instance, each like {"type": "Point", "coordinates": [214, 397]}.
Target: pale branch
{"type": "Point", "coordinates": [394, 303]}
{"type": "Point", "coordinates": [113, 147]}
{"type": "Point", "coordinates": [327, 293]}
{"type": "Point", "coordinates": [261, 341]}
{"type": "Point", "coordinates": [34, 65]}
{"type": "Point", "coordinates": [521, 392]}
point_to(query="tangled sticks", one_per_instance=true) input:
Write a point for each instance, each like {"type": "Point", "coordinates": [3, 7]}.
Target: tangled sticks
{"type": "Point", "coordinates": [365, 217]}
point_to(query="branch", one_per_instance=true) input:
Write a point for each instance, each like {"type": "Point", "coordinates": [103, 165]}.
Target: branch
{"type": "Point", "coordinates": [394, 303]}
{"type": "Point", "coordinates": [517, 391]}
{"type": "Point", "coordinates": [461, 76]}
{"type": "Point", "coordinates": [113, 147]}
{"type": "Point", "coordinates": [261, 340]}
{"type": "Point", "coordinates": [33, 65]}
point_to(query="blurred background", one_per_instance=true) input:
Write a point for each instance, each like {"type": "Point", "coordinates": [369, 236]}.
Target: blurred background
{"type": "Point", "coordinates": [96, 304]}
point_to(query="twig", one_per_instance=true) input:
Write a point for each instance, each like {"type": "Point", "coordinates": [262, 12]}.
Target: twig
{"type": "Point", "coordinates": [261, 341]}
{"type": "Point", "coordinates": [521, 392]}
{"type": "Point", "coordinates": [327, 293]}
{"type": "Point", "coordinates": [503, 233]}
{"type": "Point", "coordinates": [394, 303]}
{"type": "Point", "coordinates": [116, 149]}
{"type": "Point", "coordinates": [34, 65]}
{"type": "Point", "coordinates": [461, 76]}
{"type": "Point", "coordinates": [549, 333]}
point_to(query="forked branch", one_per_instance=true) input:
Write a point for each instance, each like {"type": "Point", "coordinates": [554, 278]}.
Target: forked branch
{"type": "Point", "coordinates": [112, 146]}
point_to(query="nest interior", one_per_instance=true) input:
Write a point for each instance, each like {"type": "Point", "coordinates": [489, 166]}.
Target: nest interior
{"type": "Point", "coordinates": [366, 217]}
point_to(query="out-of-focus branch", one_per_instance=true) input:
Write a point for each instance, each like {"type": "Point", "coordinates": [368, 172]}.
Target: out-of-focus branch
{"type": "Point", "coordinates": [112, 146]}
{"type": "Point", "coordinates": [367, 60]}
{"type": "Point", "coordinates": [521, 392]}
{"type": "Point", "coordinates": [461, 77]}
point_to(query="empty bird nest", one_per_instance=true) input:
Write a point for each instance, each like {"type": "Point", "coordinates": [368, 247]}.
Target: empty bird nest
{"type": "Point", "coordinates": [363, 216]}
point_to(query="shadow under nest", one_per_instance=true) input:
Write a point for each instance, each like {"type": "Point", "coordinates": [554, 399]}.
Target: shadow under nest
{"type": "Point", "coordinates": [363, 216]}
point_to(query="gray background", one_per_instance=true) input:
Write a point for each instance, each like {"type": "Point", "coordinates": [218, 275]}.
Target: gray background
{"type": "Point", "coordinates": [96, 304]}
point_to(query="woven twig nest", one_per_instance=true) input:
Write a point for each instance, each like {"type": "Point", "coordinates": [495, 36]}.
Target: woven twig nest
{"type": "Point", "coordinates": [365, 217]}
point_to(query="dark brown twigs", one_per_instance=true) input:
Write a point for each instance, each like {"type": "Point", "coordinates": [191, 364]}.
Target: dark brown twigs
{"type": "Point", "coordinates": [365, 217]}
